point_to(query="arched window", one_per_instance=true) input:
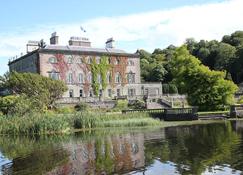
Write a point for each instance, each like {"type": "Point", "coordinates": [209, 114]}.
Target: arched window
{"type": "Point", "coordinates": [91, 93]}
{"type": "Point", "coordinates": [118, 77]}
{"type": "Point", "coordinates": [52, 60]}
{"type": "Point", "coordinates": [71, 93]}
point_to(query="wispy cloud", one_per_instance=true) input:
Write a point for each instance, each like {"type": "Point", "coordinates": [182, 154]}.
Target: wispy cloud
{"type": "Point", "coordinates": [153, 29]}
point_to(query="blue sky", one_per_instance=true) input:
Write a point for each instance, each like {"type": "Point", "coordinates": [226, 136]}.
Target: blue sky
{"type": "Point", "coordinates": [133, 24]}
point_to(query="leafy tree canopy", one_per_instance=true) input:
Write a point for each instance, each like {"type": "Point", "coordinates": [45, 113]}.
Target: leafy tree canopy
{"type": "Point", "coordinates": [205, 88]}
{"type": "Point", "coordinates": [43, 90]}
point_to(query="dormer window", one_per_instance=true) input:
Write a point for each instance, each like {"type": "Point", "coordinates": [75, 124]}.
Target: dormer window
{"type": "Point", "coordinates": [53, 60]}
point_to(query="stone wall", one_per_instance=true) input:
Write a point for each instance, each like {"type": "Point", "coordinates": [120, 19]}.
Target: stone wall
{"type": "Point", "coordinates": [92, 102]}
{"type": "Point", "coordinates": [80, 64]}
{"type": "Point", "coordinates": [26, 64]}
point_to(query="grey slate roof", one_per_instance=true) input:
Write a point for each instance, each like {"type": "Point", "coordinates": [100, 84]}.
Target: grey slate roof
{"type": "Point", "coordinates": [83, 49]}
{"type": "Point", "coordinates": [88, 50]}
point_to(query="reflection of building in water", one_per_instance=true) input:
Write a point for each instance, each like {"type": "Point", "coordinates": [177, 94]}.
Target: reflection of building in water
{"type": "Point", "coordinates": [114, 154]}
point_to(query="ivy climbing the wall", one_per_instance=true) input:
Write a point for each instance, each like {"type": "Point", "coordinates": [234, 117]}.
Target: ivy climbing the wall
{"type": "Point", "coordinates": [101, 69]}
{"type": "Point", "coordinates": [104, 67]}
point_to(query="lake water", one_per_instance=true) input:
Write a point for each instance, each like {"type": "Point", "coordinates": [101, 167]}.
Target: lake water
{"type": "Point", "coordinates": [215, 148]}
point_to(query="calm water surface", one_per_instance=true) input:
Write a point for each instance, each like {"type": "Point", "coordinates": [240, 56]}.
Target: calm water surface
{"type": "Point", "coordinates": [199, 149]}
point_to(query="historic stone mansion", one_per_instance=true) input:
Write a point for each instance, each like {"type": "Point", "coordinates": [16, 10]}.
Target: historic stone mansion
{"type": "Point", "coordinates": [117, 77]}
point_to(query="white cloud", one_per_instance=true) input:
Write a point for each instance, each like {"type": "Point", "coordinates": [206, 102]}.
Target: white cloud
{"type": "Point", "coordinates": [153, 29]}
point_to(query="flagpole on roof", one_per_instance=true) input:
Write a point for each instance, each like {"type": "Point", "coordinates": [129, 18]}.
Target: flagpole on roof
{"type": "Point", "coordinates": [83, 30]}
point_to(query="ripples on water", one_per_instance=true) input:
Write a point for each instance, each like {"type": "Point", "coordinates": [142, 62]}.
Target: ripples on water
{"type": "Point", "coordinates": [199, 149]}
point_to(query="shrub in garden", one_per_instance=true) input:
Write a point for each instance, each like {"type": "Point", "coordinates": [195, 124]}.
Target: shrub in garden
{"type": "Point", "coordinates": [121, 104]}
{"type": "Point", "coordinates": [138, 104]}
{"type": "Point", "coordinates": [82, 106]}
{"type": "Point", "coordinates": [173, 89]}
{"type": "Point", "coordinates": [18, 105]}
{"type": "Point", "coordinates": [170, 88]}
{"type": "Point", "coordinates": [240, 100]}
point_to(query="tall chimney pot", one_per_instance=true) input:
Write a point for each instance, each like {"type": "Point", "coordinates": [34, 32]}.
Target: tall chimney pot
{"type": "Point", "coordinates": [79, 41]}
{"type": "Point", "coordinates": [110, 43]}
{"type": "Point", "coordinates": [54, 38]}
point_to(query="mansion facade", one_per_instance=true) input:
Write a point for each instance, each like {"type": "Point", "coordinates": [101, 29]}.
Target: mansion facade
{"type": "Point", "coordinates": [118, 75]}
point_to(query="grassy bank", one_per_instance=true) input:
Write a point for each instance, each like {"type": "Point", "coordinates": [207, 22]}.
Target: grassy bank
{"type": "Point", "coordinates": [63, 123]}
{"type": "Point", "coordinates": [67, 123]}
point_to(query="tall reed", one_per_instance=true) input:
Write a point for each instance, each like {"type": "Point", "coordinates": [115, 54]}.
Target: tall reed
{"type": "Point", "coordinates": [50, 123]}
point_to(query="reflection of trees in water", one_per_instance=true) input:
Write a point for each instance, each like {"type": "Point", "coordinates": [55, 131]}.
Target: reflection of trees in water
{"type": "Point", "coordinates": [194, 148]}
{"type": "Point", "coordinates": [86, 153]}
{"type": "Point", "coordinates": [29, 156]}
{"type": "Point", "coordinates": [191, 148]}
{"type": "Point", "coordinates": [236, 158]}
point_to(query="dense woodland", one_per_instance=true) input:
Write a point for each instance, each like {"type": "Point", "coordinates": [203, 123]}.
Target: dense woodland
{"type": "Point", "coordinates": [226, 55]}
{"type": "Point", "coordinates": [206, 71]}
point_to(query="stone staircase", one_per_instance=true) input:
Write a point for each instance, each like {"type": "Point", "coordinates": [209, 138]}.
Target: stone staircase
{"type": "Point", "coordinates": [158, 104]}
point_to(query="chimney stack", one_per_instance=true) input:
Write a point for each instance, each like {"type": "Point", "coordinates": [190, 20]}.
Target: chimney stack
{"type": "Point", "coordinates": [54, 39]}
{"type": "Point", "coordinates": [79, 41]}
{"type": "Point", "coordinates": [31, 46]}
{"type": "Point", "coordinates": [110, 43]}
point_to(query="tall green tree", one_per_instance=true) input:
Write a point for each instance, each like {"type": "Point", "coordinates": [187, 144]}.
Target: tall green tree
{"type": "Point", "coordinates": [225, 57]}
{"type": "Point", "coordinates": [4, 79]}
{"type": "Point", "coordinates": [205, 88]}
{"type": "Point", "coordinates": [42, 89]}
{"type": "Point", "coordinates": [152, 65]}
{"type": "Point", "coordinates": [235, 39]}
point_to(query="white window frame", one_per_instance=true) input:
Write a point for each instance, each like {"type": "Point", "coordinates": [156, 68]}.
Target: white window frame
{"type": "Point", "coordinates": [80, 60]}
{"type": "Point", "coordinates": [70, 60]}
{"type": "Point", "coordinates": [54, 75]}
{"type": "Point", "coordinates": [118, 77]}
{"type": "Point", "coordinates": [52, 60]}
{"type": "Point", "coordinates": [70, 78]}
{"type": "Point", "coordinates": [131, 78]}
{"type": "Point", "coordinates": [81, 78]}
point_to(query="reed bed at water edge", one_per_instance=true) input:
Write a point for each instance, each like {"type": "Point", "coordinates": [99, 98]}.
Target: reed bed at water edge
{"type": "Point", "coordinates": [65, 123]}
